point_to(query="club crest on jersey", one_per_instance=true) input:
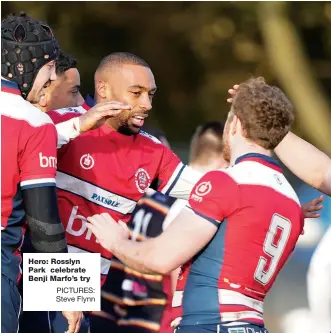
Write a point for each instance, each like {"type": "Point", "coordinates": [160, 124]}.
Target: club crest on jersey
{"type": "Point", "coordinates": [142, 180]}
{"type": "Point", "coordinates": [86, 162]}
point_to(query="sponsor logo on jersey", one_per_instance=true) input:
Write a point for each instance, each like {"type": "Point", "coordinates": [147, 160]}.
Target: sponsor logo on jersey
{"type": "Point", "coordinates": [47, 161]}
{"type": "Point", "coordinates": [104, 200]}
{"type": "Point", "coordinates": [86, 162]}
{"type": "Point", "coordinates": [142, 180]}
{"type": "Point", "coordinates": [201, 190]}
{"type": "Point", "coordinates": [77, 225]}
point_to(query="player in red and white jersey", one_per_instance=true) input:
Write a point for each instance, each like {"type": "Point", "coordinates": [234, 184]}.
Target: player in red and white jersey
{"type": "Point", "coordinates": [153, 213]}
{"type": "Point", "coordinates": [28, 157]}
{"type": "Point", "coordinates": [110, 168]}
{"type": "Point", "coordinates": [238, 230]}
{"type": "Point", "coordinates": [64, 91]}
{"type": "Point", "coordinates": [313, 167]}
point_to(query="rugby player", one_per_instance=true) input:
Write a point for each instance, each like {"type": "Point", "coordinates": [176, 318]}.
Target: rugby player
{"type": "Point", "coordinates": [142, 303]}
{"type": "Point", "coordinates": [110, 168]}
{"type": "Point", "coordinates": [238, 229]}
{"type": "Point", "coordinates": [28, 158]}
{"type": "Point", "coordinates": [64, 91]}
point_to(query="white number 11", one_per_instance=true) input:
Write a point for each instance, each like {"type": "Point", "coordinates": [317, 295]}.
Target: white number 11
{"type": "Point", "coordinates": [275, 251]}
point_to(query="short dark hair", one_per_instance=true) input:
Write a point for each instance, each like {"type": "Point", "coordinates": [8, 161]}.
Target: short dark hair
{"type": "Point", "coordinates": [206, 141]}
{"type": "Point", "coordinates": [265, 112]}
{"type": "Point", "coordinates": [121, 58]}
{"type": "Point", "coordinates": [64, 62]}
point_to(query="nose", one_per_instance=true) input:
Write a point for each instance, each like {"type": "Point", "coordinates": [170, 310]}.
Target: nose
{"type": "Point", "coordinates": [53, 74]}
{"type": "Point", "coordinates": [80, 100]}
{"type": "Point", "coordinates": [146, 102]}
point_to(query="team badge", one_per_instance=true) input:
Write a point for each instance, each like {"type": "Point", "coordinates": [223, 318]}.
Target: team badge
{"type": "Point", "coordinates": [203, 189]}
{"type": "Point", "coordinates": [86, 162]}
{"type": "Point", "coordinates": [142, 180]}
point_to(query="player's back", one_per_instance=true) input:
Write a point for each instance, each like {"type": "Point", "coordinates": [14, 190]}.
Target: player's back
{"type": "Point", "coordinates": [23, 164]}
{"type": "Point", "coordinates": [234, 272]}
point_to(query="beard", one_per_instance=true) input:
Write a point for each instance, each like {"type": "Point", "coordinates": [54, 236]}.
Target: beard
{"type": "Point", "coordinates": [226, 144]}
{"type": "Point", "coordinates": [226, 151]}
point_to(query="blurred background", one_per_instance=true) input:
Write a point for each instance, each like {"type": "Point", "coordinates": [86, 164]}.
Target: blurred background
{"type": "Point", "coordinates": [197, 51]}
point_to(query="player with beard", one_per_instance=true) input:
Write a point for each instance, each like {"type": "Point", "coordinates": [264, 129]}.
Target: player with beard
{"type": "Point", "coordinates": [142, 303]}
{"type": "Point", "coordinates": [110, 168]}
{"type": "Point", "coordinates": [239, 228]}
{"type": "Point", "coordinates": [314, 168]}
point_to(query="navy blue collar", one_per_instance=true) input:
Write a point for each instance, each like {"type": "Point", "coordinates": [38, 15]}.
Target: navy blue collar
{"type": "Point", "coordinates": [89, 100]}
{"type": "Point", "coordinates": [264, 159]}
{"type": "Point", "coordinates": [10, 87]}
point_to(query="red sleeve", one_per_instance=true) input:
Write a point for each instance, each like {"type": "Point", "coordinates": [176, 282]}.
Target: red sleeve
{"type": "Point", "coordinates": [37, 157]}
{"type": "Point", "coordinates": [60, 117]}
{"type": "Point", "coordinates": [170, 168]}
{"type": "Point", "coordinates": [215, 196]}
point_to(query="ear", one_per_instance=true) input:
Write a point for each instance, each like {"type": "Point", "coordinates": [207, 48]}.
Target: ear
{"type": "Point", "coordinates": [234, 125]}
{"type": "Point", "coordinates": [43, 100]}
{"type": "Point", "coordinates": [101, 89]}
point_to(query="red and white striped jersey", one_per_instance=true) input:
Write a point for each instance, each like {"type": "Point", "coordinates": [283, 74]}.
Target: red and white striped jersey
{"type": "Point", "coordinates": [105, 171]}
{"type": "Point", "coordinates": [28, 160]}
{"type": "Point", "coordinates": [259, 220]}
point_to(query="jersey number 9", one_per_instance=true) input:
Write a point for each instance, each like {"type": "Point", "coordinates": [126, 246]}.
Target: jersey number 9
{"type": "Point", "coordinates": [279, 226]}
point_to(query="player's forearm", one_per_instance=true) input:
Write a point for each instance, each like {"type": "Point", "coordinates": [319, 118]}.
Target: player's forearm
{"type": "Point", "coordinates": [306, 162]}
{"type": "Point", "coordinates": [136, 255]}
{"type": "Point", "coordinates": [67, 131]}
{"type": "Point", "coordinates": [47, 233]}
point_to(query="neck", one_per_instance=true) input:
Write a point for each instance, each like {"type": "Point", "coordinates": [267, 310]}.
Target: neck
{"type": "Point", "coordinates": [246, 147]}
{"type": "Point", "coordinates": [41, 108]}
{"type": "Point", "coordinates": [206, 167]}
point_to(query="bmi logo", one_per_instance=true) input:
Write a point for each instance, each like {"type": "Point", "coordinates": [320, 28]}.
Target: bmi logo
{"type": "Point", "coordinates": [87, 162]}
{"type": "Point", "coordinates": [47, 161]}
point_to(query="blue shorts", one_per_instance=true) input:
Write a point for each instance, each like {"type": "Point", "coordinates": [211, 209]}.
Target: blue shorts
{"type": "Point", "coordinates": [10, 305]}
{"type": "Point", "coordinates": [221, 329]}
{"type": "Point", "coordinates": [48, 322]}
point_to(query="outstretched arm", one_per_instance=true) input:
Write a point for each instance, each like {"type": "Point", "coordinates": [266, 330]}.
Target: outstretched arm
{"type": "Point", "coordinates": [185, 237]}
{"type": "Point", "coordinates": [306, 162]}
{"type": "Point", "coordinates": [303, 159]}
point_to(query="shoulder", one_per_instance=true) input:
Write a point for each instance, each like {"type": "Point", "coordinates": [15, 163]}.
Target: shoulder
{"type": "Point", "coordinates": [149, 138]}
{"type": "Point", "coordinates": [257, 174]}
{"type": "Point", "coordinates": [16, 107]}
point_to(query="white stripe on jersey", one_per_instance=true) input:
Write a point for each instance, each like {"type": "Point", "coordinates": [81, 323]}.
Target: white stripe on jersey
{"type": "Point", "coordinates": [37, 181]}
{"type": "Point", "coordinates": [105, 263]}
{"type": "Point", "coordinates": [235, 316]}
{"type": "Point", "coordinates": [180, 186]}
{"type": "Point", "coordinates": [172, 178]}
{"type": "Point", "coordinates": [94, 194]}
{"type": "Point", "coordinates": [14, 106]}
{"type": "Point", "coordinates": [255, 173]}
{"type": "Point", "coordinates": [234, 298]}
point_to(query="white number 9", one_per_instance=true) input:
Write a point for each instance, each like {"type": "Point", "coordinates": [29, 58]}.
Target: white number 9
{"type": "Point", "coordinates": [275, 251]}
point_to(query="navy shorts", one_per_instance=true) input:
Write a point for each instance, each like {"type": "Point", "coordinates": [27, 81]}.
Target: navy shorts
{"type": "Point", "coordinates": [10, 305]}
{"type": "Point", "coordinates": [221, 329]}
